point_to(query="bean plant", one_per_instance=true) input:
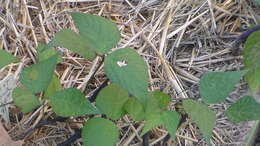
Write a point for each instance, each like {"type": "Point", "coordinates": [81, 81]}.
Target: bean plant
{"type": "Point", "coordinates": [127, 93]}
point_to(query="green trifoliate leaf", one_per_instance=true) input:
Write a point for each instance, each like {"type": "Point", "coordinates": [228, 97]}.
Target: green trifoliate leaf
{"type": "Point", "coordinates": [25, 99]}
{"type": "Point", "coordinates": [68, 39]}
{"type": "Point", "coordinates": [169, 119]}
{"type": "Point", "coordinates": [100, 132]}
{"type": "Point", "coordinates": [155, 116]}
{"type": "Point", "coordinates": [135, 109]}
{"type": "Point", "coordinates": [163, 99]}
{"type": "Point", "coordinates": [71, 102]}
{"type": "Point", "coordinates": [111, 100]}
{"type": "Point", "coordinates": [202, 116]}
{"type": "Point", "coordinates": [251, 56]}
{"type": "Point", "coordinates": [126, 68]}
{"type": "Point", "coordinates": [6, 58]}
{"type": "Point", "coordinates": [245, 109]}
{"type": "Point", "coordinates": [101, 33]}
{"type": "Point", "coordinates": [38, 77]}
{"type": "Point", "coordinates": [216, 86]}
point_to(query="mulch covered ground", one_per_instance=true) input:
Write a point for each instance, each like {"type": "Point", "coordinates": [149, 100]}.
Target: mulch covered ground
{"type": "Point", "coordinates": [192, 38]}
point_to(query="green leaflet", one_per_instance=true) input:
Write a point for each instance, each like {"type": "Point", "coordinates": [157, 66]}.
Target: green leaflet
{"type": "Point", "coordinates": [38, 77]}
{"type": "Point", "coordinates": [163, 99]}
{"type": "Point", "coordinates": [101, 33]}
{"type": "Point", "coordinates": [53, 87]}
{"type": "Point", "coordinates": [55, 84]}
{"type": "Point", "coordinates": [126, 68]}
{"type": "Point", "coordinates": [46, 54]}
{"type": "Point", "coordinates": [68, 39]}
{"type": "Point", "coordinates": [111, 100]}
{"type": "Point", "coordinates": [213, 82]}
{"type": "Point", "coordinates": [152, 114]}
{"type": "Point", "coordinates": [155, 116]}
{"type": "Point", "coordinates": [151, 121]}
{"type": "Point", "coordinates": [202, 116]}
{"type": "Point", "coordinates": [100, 132]}
{"type": "Point", "coordinates": [25, 99]}
{"type": "Point", "coordinates": [245, 109]}
{"type": "Point", "coordinates": [71, 102]}
{"type": "Point", "coordinates": [171, 121]}
{"type": "Point", "coordinates": [135, 109]}
{"type": "Point", "coordinates": [251, 56]}
{"type": "Point", "coordinates": [6, 58]}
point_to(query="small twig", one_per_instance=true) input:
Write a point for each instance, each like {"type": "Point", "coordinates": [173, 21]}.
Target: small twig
{"type": "Point", "coordinates": [94, 95]}
{"type": "Point", "coordinates": [166, 139]}
{"type": "Point", "coordinates": [5, 104]}
{"type": "Point", "coordinates": [169, 71]}
{"type": "Point", "coordinates": [78, 1]}
{"type": "Point", "coordinates": [71, 139]}
{"type": "Point", "coordinates": [187, 138]}
{"type": "Point", "coordinates": [186, 24]}
{"type": "Point", "coordinates": [146, 139]}
{"type": "Point", "coordinates": [30, 130]}
{"type": "Point", "coordinates": [158, 140]}
{"type": "Point", "coordinates": [132, 136]}
{"type": "Point", "coordinates": [242, 38]}
{"type": "Point", "coordinates": [93, 70]}
{"type": "Point", "coordinates": [57, 119]}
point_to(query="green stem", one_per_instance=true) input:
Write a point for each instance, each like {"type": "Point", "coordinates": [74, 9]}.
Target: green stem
{"type": "Point", "coordinates": [250, 139]}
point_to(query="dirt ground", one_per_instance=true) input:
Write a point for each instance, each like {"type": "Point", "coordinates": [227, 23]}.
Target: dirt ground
{"type": "Point", "coordinates": [192, 37]}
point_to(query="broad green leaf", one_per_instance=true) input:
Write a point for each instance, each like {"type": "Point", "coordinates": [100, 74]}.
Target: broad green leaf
{"type": "Point", "coordinates": [101, 33]}
{"type": "Point", "coordinates": [171, 120]}
{"type": "Point", "coordinates": [38, 77]}
{"type": "Point", "coordinates": [251, 56]}
{"type": "Point", "coordinates": [126, 68]}
{"type": "Point", "coordinates": [202, 116]}
{"type": "Point", "coordinates": [163, 99]}
{"type": "Point", "coordinates": [25, 99]}
{"type": "Point", "coordinates": [135, 109]}
{"type": "Point", "coordinates": [71, 102]}
{"type": "Point", "coordinates": [69, 39]}
{"type": "Point", "coordinates": [216, 86]}
{"type": "Point", "coordinates": [53, 87]}
{"type": "Point", "coordinates": [100, 132]}
{"type": "Point", "coordinates": [6, 58]}
{"type": "Point", "coordinates": [111, 100]}
{"type": "Point", "coordinates": [245, 109]}
{"type": "Point", "coordinates": [258, 2]}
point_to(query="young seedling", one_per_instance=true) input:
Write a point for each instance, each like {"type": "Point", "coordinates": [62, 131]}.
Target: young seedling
{"type": "Point", "coordinates": [127, 93]}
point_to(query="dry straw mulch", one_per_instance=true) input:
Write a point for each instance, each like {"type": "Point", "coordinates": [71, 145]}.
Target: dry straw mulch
{"type": "Point", "coordinates": [179, 39]}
